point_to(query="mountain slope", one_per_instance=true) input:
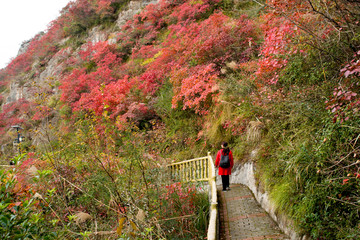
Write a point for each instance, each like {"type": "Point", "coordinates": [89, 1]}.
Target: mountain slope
{"type": "Point", "coordinates": [105, 83]}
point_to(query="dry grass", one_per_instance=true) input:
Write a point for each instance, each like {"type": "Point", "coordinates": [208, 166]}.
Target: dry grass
{"type": "Point", "coordinates": [214, 129]}
{"type": "Point", "coordinates": [253, 132]}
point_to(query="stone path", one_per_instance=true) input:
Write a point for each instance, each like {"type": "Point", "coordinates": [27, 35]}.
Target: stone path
{"type": "Point", "coordinates": [242, 218]}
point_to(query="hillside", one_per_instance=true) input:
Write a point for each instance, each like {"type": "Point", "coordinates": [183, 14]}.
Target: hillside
{"type": "Point", "coordinates": [114, 90]}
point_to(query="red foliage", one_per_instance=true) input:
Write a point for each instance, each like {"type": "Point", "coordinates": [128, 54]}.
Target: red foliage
{"type": "Point", "coordinates": [288, 25]}
{"type": "Point", "coordinates": [208, 44]}
{"type": "Point", "coordinates": [136, 112]}
{"type": "Point", "coordinates": [15, 113]}
{"type": "Point", "coordinates": [20, 63]}
{"type": "Point", "coordinates": [82, 12]}
{"type": "Point", "coordinates": [73, 85]}
{"type": "Point", "coordinates": [191, 56]}
{"type": "Point", "coordinates": [194, 54]}
{"type": "Point", "coordinates": [344, 103]}
{"type": "Point", "coordinates": [22, 112]}
{"type": "Point", "coordinates": [217, 39]}
{"type": "Point", "coordinates": [145, 26]}
{"type": "Point", "coordinates": [41, 113]}
{"type": "Point", "coordinates": [103, 7]}
{"type": "Point", "coordinates": [110, 97]}
{"type": "Point", "coordinates": [146, 51]}
{"type": "Point", "coordinates": [277, 47]}
{"type": "Point", "coordinates": [80, 81]}
{"type": "Point", "coordinates": [150, 81]}
{"type": "Point", "coordinates": [178, 200]}
{"type": "Point", "coordinates": [196, 87]}
{"type": "Point", "coordinates": [237, 126]}
{"type": "Point", "coordinates": [353, 68]}
{"type": "Point", "coordinates": [190, 10]}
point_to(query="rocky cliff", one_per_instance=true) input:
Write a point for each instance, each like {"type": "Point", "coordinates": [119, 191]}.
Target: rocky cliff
{"type": "Point", "coordinates": [46, 74]}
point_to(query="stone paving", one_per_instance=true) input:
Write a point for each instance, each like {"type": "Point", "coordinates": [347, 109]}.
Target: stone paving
{"type": "Point", "coordinates": [242, 218]}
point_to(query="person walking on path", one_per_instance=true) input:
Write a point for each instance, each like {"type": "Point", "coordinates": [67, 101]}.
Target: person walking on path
{"type": "Point", "coordinates": [224, 161]}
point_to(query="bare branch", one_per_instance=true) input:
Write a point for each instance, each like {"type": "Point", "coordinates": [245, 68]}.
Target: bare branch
{"type": "Point", "coordinates": [87, 193]}
{"type": "Point", "coordinates": [324, 15]}
{"type": "Point", "coordinates": [339, 200]}
{"type": "Point", "coordinates": [290, 19]}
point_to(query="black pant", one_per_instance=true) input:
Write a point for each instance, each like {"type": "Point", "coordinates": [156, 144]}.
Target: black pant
{"type": "Point", "coordinates": [225, 181]}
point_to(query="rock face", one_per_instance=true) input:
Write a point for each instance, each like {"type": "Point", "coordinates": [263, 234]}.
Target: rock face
{"type": "Point", "coordinates": [44, 74]}
{"type": "Point", "coordinates": [133, 8]}
{"type": "Point", "coordinates": [23, 47]}
{"type": "Point", "coordinates": [21, 88]}
{"type": "Point", "coordinates": [96, 35]}
{"type": "Point", "coordinates": [25, 86]}
{"type": "Point", "coordinates": [25, 44]}
{"type": "Point", "coordinates": [16, 92]}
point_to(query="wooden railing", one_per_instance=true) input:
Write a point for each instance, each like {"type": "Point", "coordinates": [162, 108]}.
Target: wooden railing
{"type": "Point", "coordinates": [200, 169]}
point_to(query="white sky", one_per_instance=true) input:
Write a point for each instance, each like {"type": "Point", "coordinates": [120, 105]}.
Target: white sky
{"type": "Point", "coordinates": [20, 20]}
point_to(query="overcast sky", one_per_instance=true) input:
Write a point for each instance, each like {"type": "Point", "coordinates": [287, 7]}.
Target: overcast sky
{"type": "Point", "coordinates": [20, 20]}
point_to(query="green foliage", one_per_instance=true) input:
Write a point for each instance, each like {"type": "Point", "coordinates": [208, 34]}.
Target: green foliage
{"type": "Point", "coordinates": [238, 8]}
{"type": "Point", "coordinates": [65, 111]}
{"type": "Point", "coordinates": [202, 204]}
{"type": "Point", "coordinates": [112, 178]}
{"type": "Point", "coordinates": [110, 167]}
{"type": "Point", "coordinates": [194, 211]}
{"type": "Point", "coordinates": [74, 42]}
{"type": "Point", "coordinates": [216, 132]}
{"type": "Point", "coordinates": [53, 101]}
{"type": "Point", "coordinates": [317, 67]}
{"type": "Point", "coordinates": [308, 161]}
{"type": "Point", "coordinates": [75, 29]}
{"type": "Point", "coordinates": [230, 119]}
{"type": "Point", "coordinates": [90, 66]}
{"type": "Point", "coordinates": [181, 127]}
{"type": "Point", "coordinates": [19, 218]}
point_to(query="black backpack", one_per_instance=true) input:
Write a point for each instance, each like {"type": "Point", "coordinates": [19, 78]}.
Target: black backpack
{"type": "Point", "coordinates": [224, 161]}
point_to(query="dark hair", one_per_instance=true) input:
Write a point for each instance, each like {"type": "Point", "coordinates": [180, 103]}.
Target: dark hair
{"type": "Point", "coordinates": [226, 148]}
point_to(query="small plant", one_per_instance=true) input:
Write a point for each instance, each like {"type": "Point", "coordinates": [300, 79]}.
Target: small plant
{"type": "Point", "coordinates": [19, 217]}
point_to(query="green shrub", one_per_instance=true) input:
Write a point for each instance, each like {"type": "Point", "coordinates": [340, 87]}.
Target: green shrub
{"type": "Point", "coordinates": [19, 218]}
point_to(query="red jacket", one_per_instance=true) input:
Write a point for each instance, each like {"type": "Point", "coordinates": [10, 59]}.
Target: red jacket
{"type": "Point", "coordinates": [224, 171]}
